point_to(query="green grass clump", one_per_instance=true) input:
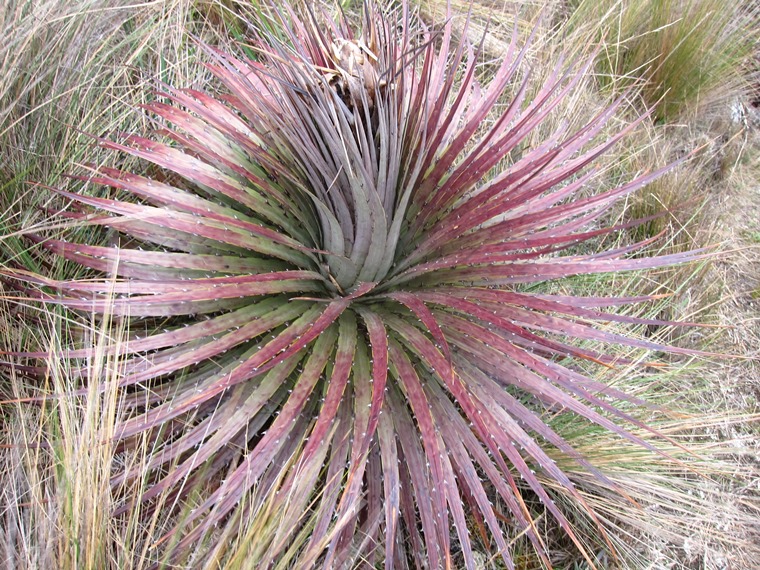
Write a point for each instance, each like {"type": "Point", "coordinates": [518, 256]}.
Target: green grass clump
{"type": "Point", "coordinates": [687, 52]}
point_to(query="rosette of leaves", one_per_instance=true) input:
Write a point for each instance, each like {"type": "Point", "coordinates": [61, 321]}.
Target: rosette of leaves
{"type": "Point", "coordinates": [332, 269]}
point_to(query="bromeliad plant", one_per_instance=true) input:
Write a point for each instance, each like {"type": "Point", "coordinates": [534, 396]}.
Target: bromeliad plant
{"type": "Point", "coordinates": [333, 267]}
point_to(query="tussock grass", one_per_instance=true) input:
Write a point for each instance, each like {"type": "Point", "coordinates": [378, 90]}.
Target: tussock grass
{"type": "Point", "coordinates": [688, 54]}
{"type": "Point", "coordinates": [57, 512]}
{"type": "Point", "coordinates": [74, 68]}
{"type": "Point", "coordinates": [71, 70]}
